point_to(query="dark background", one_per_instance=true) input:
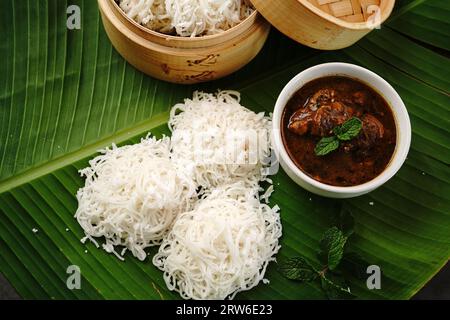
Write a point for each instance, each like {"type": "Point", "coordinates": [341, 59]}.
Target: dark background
{"type": "Point", "coordinates": [437, 289]}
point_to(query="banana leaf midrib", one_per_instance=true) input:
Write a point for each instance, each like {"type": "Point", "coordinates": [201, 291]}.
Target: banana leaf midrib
{"type": "Point", "coordinates": [82, 153]}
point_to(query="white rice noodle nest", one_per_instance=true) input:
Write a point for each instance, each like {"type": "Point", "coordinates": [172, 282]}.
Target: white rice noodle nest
{"type": "Point", "coordinates": [221, 247]}
{"type": "Point", "coordinates": [215, 140]}
{"type": "Point", "coordinates": [132, 196]}
{"type": "Point", "coordinates": [188, 18]}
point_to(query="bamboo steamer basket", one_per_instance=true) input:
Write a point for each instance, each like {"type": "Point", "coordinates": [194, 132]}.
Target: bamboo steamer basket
{"type": "Point", "coordinates": [183, 59]}
{"type": "Point", "coordinates": [304, 22]}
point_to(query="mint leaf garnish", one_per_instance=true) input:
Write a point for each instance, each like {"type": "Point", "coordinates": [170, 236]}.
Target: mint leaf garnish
{"type": "Point", "coordinates": [326, 145]}
{"type": "Point", "coordinates": [349, 129]}
{"type": "Point", "coordinates": [332, 247]}
{"type": "Point", "coordinates": [298, 269]}
{"type": "Point", "coordinates": [336, 267]}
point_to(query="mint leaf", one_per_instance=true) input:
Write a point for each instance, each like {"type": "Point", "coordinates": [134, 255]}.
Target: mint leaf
{"type": "Point", "coordinates": [326, 145]}
{"type": "Point", "coordinates": [332, 247]}
{"type": "Point", "coordinates": [349, 129]}
{"type": "Point", "coordinates": [335, 287]}
{"type": "Point", "coordinates": [298, 269]}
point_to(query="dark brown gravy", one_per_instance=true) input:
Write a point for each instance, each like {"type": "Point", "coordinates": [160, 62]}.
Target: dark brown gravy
{"type": "Point", "coordinates": [341, 167]}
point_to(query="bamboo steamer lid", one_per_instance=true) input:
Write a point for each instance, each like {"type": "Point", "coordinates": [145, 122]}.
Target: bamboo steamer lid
{"type": "Point", "coordinates": [325, 24]}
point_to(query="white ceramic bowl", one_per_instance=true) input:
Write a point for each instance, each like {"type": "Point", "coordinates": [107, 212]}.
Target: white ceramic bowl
{"type": "Point", "coordinates": [374, 81]}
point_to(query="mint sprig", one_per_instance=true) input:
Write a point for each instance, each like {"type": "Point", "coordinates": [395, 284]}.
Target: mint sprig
{"type": "Point", "coordinates": [333, 260]}
{"type": "Point", "coordinates": [332, 247]}
{"type": "Point", "coordinates": [345, 132]}
{"type": "Point", "coordinates": [298, 268]}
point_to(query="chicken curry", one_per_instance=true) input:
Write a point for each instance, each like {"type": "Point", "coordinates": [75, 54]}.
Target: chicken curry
{"type": "Point", "coordinates": [316, 116]}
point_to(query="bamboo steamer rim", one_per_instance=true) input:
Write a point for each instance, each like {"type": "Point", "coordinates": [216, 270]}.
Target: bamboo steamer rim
{"type": "Point", "coordinates": [229, 33]}
{"type": "Point", "coordinates": [189, 52]}
{"type": "Point", "coordinates": [340, 22]}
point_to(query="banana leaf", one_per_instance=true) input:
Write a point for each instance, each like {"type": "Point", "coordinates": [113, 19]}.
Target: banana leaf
{"type": "Point", "coordinates": [64, 94]}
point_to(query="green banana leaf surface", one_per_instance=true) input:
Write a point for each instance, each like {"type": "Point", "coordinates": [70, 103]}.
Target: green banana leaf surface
{"type": "Point", "coordinates": [64, 94]}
